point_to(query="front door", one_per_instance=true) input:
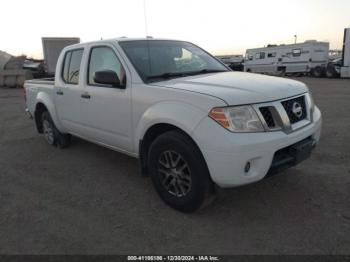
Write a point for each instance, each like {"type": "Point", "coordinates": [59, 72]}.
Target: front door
{"type": "Point", "coordinates": [107, 109]}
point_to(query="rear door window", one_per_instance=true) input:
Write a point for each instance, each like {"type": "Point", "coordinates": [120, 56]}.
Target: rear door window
{"type": "Point", "coordinates": [66, 66]}
{"type": "Point", "coordinates": [71, 66]}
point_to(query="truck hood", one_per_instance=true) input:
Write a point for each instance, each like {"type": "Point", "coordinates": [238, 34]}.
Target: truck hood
{"type": "Point", "coordinates": [238, 88]}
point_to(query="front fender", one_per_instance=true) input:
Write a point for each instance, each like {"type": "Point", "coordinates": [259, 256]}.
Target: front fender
{"type": "Point", "coordinates": [179, 114]}
{"type": "Point", "coordinates": [44, 98]}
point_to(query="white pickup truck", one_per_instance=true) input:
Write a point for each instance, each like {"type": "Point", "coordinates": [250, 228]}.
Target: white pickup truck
{"type": "Point", "coordinates": [190, 120]}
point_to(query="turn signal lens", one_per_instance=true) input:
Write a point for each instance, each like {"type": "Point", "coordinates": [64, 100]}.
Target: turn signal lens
{"type": "Point", "coordinates": [218, 114]}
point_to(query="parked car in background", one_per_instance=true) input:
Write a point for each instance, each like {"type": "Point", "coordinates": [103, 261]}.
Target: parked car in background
{"type": "Point", "coordinates": [235, 62]}
{"type": "Point", "coordinates": [191, 121]}
{"type": "Point", "coordinates": [14, 70]}
{"type": "Point", "coordinates": [333, 68]}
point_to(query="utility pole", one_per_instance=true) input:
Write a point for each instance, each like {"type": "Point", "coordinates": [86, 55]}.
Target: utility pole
{"type": "Point", "coordinates": [295, 39]}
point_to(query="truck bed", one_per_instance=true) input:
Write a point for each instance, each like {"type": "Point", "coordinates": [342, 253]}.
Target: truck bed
{"type": "Point", "coordinates": [38, 88]}
{"type": "Point", "coordinates": [41, 81]}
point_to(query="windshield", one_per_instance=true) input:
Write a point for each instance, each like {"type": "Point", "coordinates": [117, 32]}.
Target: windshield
{"type": "Point", "coordinates": [156, 60]}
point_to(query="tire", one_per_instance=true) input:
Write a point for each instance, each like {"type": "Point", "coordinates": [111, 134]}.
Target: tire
{"type": "Point", "coordinates": [330, 73]}
{"type": "Point", "coordinates": [179, 172]}
{"type": "Point", "coordinates": [52, 135]}
{"type": "Point", "coordinates": [316, 72]}
{"type": "Point", "coordinates": [281, 71]}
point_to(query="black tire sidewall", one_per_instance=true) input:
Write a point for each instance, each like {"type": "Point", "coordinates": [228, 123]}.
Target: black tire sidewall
{"type": "Point", "coordinates": [330, 73]}
{"type": "Point", "coordinates": [199, 173]}
{"type": "Point", "coordinates": [317, 72]}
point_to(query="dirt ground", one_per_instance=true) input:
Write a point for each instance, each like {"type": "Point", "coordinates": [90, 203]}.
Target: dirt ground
{"type": "Point", "coordinates": [90, 200]}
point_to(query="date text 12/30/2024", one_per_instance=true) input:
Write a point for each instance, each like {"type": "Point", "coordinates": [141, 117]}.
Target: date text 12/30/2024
{"type": "Point", "coordinates": [173, 258]}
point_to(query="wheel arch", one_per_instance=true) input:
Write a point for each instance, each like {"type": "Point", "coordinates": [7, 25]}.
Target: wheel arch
{"type": "Point", "coordinates": [149, 137]}
{"type": "Point", "coordinates": [45, 103]}
{"type": "Point", "coordinates": [40, 108]}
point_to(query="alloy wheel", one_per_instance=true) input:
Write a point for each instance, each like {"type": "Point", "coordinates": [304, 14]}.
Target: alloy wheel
{"type": "Point", "coordinates": [175, 173]}
{"type": "Point", "coordinates": [48, 132]}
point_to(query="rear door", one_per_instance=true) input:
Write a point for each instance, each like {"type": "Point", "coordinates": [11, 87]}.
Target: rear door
{"type": "Point", "coordinates": [68, 91]}
{"type": "Point", "coordinates": [107, 109]}
{"type": "Point", "coordinates": [297, 60]}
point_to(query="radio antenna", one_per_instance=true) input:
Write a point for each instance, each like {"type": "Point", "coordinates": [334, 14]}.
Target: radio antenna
{"type": "Point", "coordinates": [145, 16]}
{"type": "Point", "coordinates": [147, 37]}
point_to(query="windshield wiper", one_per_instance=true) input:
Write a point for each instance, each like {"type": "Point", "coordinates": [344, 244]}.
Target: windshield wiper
{"type": "Point", "coordinates": [183, 74]}
{"type": "Point", "coordinates": [165, 76]}
{"type": "Point", "coordinates": [207, 71]}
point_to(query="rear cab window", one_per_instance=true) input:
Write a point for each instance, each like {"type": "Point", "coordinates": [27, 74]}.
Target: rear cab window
{"type": "Point", "coordinates": [71, 66]}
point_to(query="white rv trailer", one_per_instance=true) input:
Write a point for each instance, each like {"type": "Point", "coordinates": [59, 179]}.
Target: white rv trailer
{"type": "Point", "coordinates": [308, 57]}
{"type": "Point", "coordinates": [345, 69]}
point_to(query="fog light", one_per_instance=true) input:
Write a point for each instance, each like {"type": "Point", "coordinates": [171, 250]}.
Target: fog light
{"type": "Point", "coordinates": [247, 167]}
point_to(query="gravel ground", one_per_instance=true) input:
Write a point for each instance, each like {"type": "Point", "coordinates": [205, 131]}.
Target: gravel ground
{"type": "Point", "coordinates": [90, 200]}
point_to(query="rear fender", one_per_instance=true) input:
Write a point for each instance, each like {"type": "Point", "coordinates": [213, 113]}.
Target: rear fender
{"type": "Point", "coordinates": [46, 100]}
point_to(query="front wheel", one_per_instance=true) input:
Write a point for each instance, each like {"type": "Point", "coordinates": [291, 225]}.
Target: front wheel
{"type": "Point", "coordinates": [51, 134]}
{"type": "Point", "coordinates": [330, 73]}
{"type": "Point", "coordinates": [179, 172]}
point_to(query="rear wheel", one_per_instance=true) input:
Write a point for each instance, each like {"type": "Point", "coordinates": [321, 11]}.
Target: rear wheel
{"type": "Point", "coordinates": [179, 172]}
{"type": "Point", "coordinates": [316, 72]}
{"type": "Point", "coordinates": [281, 71]}
{"type": "Point", "coordinates": [51, 134]}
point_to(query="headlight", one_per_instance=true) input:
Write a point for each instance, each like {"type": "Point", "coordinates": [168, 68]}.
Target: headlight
{"type": "Point", "coordinates": [237, 118]}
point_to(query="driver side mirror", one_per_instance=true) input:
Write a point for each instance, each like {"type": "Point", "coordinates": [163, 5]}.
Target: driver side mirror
{"type": "Point", "coordinates": [108, 77]}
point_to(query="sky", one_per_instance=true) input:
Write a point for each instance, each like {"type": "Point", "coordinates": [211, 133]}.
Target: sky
{"type": "Point", "coordinates": [219, 26]}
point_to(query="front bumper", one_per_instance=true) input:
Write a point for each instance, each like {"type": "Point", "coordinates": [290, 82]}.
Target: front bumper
{"type": "Point", "coordinates": [227, 153]}
{"type": "Point", "coordinates": [291, 155]}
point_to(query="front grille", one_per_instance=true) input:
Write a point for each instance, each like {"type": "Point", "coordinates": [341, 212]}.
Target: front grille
{"type": "Point", "coordinates": [291, 106]}
{"type": "Point", "coordinates": [266, 113]}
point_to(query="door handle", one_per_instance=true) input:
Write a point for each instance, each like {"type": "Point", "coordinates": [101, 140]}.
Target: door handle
{"type": "Point", "coordinates": [59, 92]}
{"type": "Point", "coordinates": [85, 95]}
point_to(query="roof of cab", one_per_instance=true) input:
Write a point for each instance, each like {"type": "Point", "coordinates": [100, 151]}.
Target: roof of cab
{"type": "Point", "coordinates": [119, 39]}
